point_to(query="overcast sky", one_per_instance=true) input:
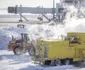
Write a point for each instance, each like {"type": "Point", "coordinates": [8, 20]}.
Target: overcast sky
{"type": "Point", "coordinates": [30, 3]}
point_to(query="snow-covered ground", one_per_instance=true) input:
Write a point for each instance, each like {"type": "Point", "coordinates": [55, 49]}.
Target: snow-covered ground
{"type": "Point", "coordinates": [9, 61]}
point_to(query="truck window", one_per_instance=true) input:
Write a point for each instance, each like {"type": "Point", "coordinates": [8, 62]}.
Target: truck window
{"type": "Point", "coordinates": [74, 40]}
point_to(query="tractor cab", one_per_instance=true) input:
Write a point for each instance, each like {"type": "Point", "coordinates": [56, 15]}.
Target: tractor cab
{"type": "Point", "coordinates": [25, 38]}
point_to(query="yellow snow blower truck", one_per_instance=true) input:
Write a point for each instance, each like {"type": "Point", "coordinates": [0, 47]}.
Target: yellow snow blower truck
{"type": "Point", "coordinates": [69, 49]}
{"type": "Point", "coordinates": [21, 46]}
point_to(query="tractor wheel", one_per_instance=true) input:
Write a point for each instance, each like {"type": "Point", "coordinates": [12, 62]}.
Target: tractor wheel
{"type": "Point", "coordinates": [67, 61]}
{"type": "Point", "coordinates": [57, 62]}
{"type": "Point", "coordinates": [17, 50]}
{"type": "Point", "coordinates": [31, 51]}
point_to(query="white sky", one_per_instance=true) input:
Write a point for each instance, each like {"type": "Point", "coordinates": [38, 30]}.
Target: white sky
{"type": "Point", "coordinates": [30, 3]}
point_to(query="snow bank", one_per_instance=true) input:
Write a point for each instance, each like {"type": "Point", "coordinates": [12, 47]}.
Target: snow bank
{"type": "Point", "coordinates": [7, 33]}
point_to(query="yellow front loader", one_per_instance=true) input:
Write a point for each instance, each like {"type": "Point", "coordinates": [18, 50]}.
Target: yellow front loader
{"type": "Point", "coordinates": [69, 49]}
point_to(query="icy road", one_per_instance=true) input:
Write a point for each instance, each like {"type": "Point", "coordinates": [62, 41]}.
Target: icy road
{"type": "Point", "coordinates": [9, 61]}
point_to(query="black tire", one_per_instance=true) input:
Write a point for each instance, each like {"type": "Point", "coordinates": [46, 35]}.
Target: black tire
{"type": "Point", "coordinates": [17, 50]}
{"type": "Point", "coordinates": [57, 62]}
{"type": "Point", "coordinates": [67, 61]}
{"type": "Point", "coordinates": [31, 51]}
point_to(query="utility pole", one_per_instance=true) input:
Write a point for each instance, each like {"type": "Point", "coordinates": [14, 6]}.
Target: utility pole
{"type": "Point", "coordinates": [20, 13]}
{"type": "Point", "coordinates": [53, 9]}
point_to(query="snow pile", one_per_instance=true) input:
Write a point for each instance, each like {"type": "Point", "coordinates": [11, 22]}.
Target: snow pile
{"type": "Point", "coordinates": [75, 18]}
{"type": "Point", "coordinates": [45, 32]}
{"type": "Point", "coordinates": [75, 26]}
{"type": "Point", "coordinates": [7, 33]}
